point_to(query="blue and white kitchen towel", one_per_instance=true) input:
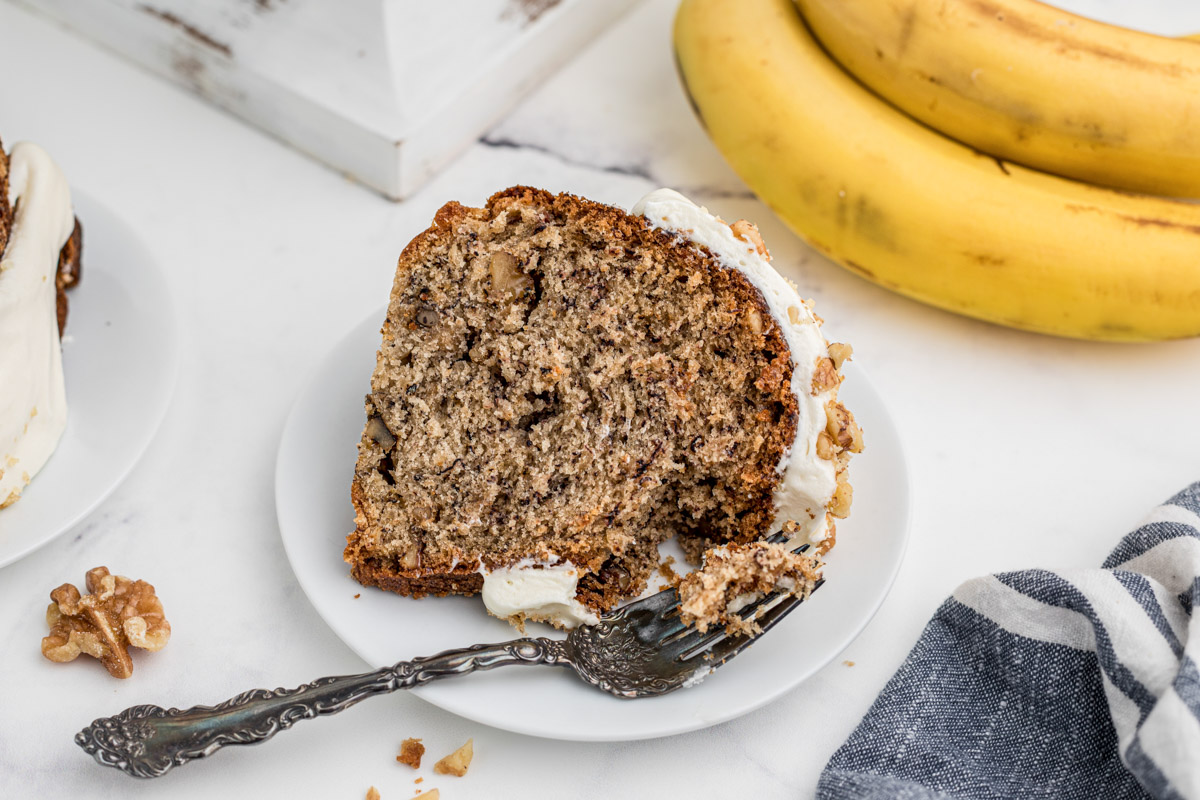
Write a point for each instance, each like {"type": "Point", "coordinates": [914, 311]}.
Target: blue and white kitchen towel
{"type": "Point", "coordinates": [1038, 684]}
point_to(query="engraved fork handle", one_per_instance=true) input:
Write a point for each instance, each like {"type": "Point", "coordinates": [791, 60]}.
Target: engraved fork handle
{"type": "Point", "coordinates": [147, 741]}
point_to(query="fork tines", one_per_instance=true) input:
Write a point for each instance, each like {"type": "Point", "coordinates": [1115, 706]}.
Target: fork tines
{"type": "Point", "coordinates": [721, 646]}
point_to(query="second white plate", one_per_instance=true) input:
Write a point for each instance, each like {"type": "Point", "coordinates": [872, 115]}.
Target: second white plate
{"type": "Point", "coordinates": [312, 494]}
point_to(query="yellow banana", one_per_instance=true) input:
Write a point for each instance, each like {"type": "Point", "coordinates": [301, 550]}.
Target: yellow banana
{"type": "Point", "coordinates": [919, 213]}
{"type": "Point", "coordinates": [1031, 83]}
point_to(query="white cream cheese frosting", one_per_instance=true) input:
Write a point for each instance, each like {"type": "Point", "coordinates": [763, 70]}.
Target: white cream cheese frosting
{"type": "Point", "coordinates": [808, 481]}
{"type": "Point", "coordinates": [33, 401]}
{"type": "Point", "coordinates": [537, 590]}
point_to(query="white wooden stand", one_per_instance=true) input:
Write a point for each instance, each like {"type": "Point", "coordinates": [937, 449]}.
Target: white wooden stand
{"type": "Point", "coordinates": [386, 91]}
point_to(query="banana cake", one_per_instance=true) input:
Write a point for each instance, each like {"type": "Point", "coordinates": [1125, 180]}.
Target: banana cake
{"type": "Point", "coordinates": [562, 385]}
{"type": "Point", "coordinates": [40, 248]}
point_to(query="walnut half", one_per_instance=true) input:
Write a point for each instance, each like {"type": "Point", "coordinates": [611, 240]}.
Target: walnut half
{"type": "Point", "coordinates": [117, 613]}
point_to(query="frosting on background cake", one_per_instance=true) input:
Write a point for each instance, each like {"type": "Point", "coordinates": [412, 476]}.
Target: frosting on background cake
{"type": "Point", "coordinates": [33, 403]}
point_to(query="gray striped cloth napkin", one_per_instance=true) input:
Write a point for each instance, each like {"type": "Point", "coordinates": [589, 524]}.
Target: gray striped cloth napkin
{"type": "Point", "coordinates": [1037, 684]}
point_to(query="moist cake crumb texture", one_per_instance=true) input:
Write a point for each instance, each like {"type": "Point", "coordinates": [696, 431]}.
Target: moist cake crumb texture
{"type": "Point", "coordinates": [558, 380]}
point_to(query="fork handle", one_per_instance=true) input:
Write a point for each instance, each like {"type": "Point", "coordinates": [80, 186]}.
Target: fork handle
{"type": "Point", "coordinates": [147, 741]}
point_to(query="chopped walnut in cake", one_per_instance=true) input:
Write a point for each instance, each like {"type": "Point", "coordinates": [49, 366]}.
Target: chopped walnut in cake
{"type": "Point", "coordinates": [116, 614]}
{"type": "Point", "coordinates": [734, 576]}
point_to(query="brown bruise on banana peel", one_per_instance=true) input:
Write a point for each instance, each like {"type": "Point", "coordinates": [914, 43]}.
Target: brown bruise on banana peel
{"type": "Point", "coordinates": [907, 23]}
{"type": "Point", "coordinates": [1141, 222]}
{"type": "Point", "coordinates": [1028, 119]}
{"type": "Point", "coordinates": [858, 215]}
{"type": "Point", "coordinates": [1110, 331]}
{"type": "Point", "coordinates": [985, 259]}
{"type": "Point", "coordinates": [854, 266]}
{"type": "Point", "coordinates": [1095, 132]}
{"type": "Point", "coordinates": [1060, 38]}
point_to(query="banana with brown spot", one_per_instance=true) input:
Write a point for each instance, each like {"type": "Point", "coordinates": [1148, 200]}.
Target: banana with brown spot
{"type": "Point", "coordinates": [915, 211]}
{"type": "Point", "coordinates": [1030, 83]}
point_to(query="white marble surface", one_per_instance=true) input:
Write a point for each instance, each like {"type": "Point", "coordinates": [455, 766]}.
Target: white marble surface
{"type": "Point", "coordinates": [1024, 450]}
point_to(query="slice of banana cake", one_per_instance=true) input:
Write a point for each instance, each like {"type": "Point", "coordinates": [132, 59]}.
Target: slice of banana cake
{"type": "Point", "coordinates": [562, 385]}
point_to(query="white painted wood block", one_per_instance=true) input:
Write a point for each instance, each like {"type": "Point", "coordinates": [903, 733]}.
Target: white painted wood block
{"type": "Point", "coordinates": [386, 91]}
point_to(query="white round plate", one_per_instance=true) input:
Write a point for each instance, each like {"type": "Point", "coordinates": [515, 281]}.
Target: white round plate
{"type": "Point", "coordinates": [312, 495]}
{"type": "Point", "coordinates": [120, 357]}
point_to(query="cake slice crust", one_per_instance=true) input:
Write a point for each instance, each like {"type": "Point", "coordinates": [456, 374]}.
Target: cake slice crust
{"type": "Point", "coordinates": [5, 208]}
{"type": "Point", "coordinates": [560, 382]}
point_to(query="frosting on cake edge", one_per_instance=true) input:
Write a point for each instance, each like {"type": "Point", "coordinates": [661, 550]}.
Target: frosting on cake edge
{"type": "Point", "coordinates": [33, 413]}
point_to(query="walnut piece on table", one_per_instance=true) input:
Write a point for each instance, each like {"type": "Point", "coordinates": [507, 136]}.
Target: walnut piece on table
{"type": "Point", "coordinates": [411, 751]}
{"type": "Point", "coordinates": [457, 762]}
{"type": "Point", "coordinates": [114, 615]}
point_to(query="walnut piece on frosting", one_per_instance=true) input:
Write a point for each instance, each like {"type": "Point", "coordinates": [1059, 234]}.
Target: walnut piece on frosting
{"type": "Point", "coordinates": [748, 232]}
{"type": "Point", "coordinates": [116, 614]}
{"type": "Point", "coordinates": [840, 352]}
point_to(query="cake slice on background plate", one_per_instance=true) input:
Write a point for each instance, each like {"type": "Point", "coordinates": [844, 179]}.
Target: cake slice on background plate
{"type": "Point", "coordinates": [40, 248]}
{"type": "Point", "coordinates": [563, 385]}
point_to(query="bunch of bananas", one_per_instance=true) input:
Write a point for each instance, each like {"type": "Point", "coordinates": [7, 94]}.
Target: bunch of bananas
{"type": "Point", "coordinates": [889, 133]}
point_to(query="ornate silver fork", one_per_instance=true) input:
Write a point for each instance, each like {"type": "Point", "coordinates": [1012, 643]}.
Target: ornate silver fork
{"type": "Point", "coordinates": [640, 650]}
